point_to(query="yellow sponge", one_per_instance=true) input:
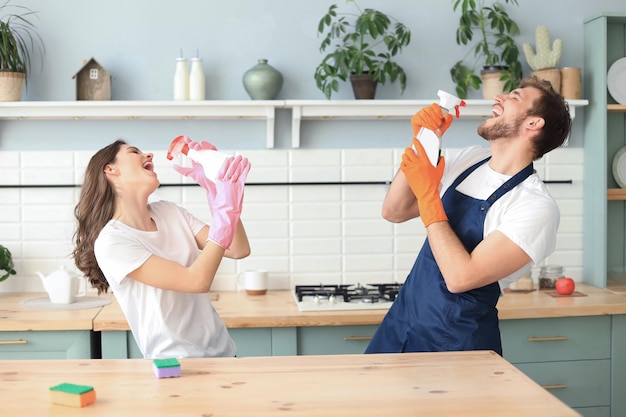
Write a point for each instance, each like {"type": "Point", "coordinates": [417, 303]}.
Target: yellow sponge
{"type": "Point", "coordinates": [72, 395]}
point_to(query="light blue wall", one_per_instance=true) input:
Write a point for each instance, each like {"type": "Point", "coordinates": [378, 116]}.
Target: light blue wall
{"type": "Point", "coordinates": [138, 41]}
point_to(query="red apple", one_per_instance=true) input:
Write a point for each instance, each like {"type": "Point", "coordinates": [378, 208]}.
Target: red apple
{"type": "Point", "coordinates": [565, 286]}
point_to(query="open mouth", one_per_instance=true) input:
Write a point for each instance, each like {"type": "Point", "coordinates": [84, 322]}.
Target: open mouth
{"type": "Point", "coordinates": [496, 111]}
{"type": "Point", "coordinates": [148, 166]}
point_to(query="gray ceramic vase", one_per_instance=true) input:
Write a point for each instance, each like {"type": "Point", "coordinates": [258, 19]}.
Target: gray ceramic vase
{"type": "Point", "coordinates": [262, 82]}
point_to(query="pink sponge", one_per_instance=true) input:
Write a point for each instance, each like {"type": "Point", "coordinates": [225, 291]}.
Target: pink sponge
{"type": "Point", "coordinates": [166, 368]}
{"type": "Point", "coordinates": [72, 395]}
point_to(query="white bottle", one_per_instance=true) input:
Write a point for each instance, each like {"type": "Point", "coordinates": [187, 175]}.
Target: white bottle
{"type": "Point", "coordinates": [196, 80]}
{"type": "Point", "coordinates": [212, 161]}
{"type": "Point", "coordinates": [181, 80]}
{"type": "Point", "coordinates": [429, 139]}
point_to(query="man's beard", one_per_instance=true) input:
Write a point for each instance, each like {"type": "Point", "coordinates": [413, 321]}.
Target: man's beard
{"type": "Point", "coordinates": [501, 129]}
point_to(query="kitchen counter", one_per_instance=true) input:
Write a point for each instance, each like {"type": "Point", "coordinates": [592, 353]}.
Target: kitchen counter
{"type": "Point", "coordinates": [15, 317]}
{"type": "Point", "coordinates": [278, 309]}
{"type": "Point", "coordinates": [480, 384]}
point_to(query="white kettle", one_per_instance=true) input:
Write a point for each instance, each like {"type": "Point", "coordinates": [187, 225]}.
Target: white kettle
{"type": "Point", "coordinates": [63, 288]}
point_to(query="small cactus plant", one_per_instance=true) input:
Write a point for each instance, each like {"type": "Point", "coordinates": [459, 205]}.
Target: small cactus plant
{"type": "Point", "coordinates": [547, 55]}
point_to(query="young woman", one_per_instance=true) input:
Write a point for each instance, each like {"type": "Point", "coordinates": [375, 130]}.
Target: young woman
{"type": "Point", "coordinates": [157, 258]}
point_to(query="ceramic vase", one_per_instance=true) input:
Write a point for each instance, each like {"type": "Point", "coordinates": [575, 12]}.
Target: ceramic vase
{"type": "Point", "coordinates": [262, 81]}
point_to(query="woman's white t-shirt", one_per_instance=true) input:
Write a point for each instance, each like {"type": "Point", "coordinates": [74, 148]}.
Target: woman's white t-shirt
{"type": "Point", "coordinates": [165, 324]}
{"type": "Point", "coordinates": [528, 214]}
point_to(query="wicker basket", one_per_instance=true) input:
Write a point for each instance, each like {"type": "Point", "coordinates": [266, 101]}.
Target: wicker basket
{"type": "Point", "coordinates": [11, 86]}
{"type": "Point", "coordinates": [492, 86]}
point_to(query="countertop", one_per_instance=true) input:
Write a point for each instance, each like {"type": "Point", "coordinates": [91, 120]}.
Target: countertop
{"type": "Point", "coordinates": [15, 317]}
{"type": "Point", "coordinates": [278, 309]}
{"type": "Point", "coordinates": [450, 384]}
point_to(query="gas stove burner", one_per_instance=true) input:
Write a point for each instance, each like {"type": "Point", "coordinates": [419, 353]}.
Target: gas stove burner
{"type": "Point", "coordinates": [345, 297]}
{"type": "Point", "coordinates": [360, 290]}
{"type": "Point", "coordinates": [371, 298]}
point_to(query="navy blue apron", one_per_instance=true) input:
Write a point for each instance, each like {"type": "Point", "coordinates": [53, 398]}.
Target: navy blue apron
{"type": "Point", "coordinates": [426, 317]}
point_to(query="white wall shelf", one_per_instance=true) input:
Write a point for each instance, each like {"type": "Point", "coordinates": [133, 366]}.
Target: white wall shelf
{"type": "Point", "coordinates": [381, 109]}
{"type": "Point", "coordinates": [235, 109]}
{"type": "Point", "coordinates": [138, 110]}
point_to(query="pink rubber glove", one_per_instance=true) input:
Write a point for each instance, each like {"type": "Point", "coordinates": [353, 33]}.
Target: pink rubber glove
{"type": "Point", "coordinates": [196, 172]}
{"type": "Point", "coordinates": [228, 200]}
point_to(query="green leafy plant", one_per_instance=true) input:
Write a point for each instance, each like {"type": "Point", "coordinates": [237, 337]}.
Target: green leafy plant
{"type": "Point", "coordinates": [494, 46]}
{"type": "Point", "coordinates": [18, 38]}
{"type": "Point", "coordinates": [354, 41]}
{"type": "Point", "coordinates": [6, 263]}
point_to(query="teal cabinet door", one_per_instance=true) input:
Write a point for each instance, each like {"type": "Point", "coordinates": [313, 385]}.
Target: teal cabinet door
{"type": "Point", "coordinates": [263, 341]}
{"type": "Point", "coordinates": [334, 340]}
{"type": "Point", "coordinates": [67, 344]}
{"type": "Point", "coordinates": [576, 383]}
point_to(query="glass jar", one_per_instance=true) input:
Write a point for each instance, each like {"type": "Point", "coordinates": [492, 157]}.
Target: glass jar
{"type": "Point", "coordinates": [548, 275]}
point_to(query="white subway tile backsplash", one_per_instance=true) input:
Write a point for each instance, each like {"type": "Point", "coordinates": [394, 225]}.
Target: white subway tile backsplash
{"type": "Point", "coordinates": [302, 234]}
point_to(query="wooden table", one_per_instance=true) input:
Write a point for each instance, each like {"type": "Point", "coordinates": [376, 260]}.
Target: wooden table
{"type": "Point", "coordinates": [454, 384]}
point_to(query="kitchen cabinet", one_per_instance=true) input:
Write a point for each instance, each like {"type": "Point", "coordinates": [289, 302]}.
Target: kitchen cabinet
{"type": "Point", "coordinates": [45, 334]}
{"type": "Point", "coordinates": [334, 340]}
{"type": "Point", "coordinates": [570, 356]}
{"type": "Point", "coordinates": [250, 342]}
{"type": "Point", "coordinates": [604, 226]}
{"type": "Point", "coordinates": [65, 344]}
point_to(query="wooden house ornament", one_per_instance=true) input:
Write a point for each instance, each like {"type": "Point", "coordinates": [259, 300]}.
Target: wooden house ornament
{"type": "Point", "coordinates": [93, 82]}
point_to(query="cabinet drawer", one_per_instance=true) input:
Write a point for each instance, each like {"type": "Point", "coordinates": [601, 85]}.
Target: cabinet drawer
{"type": "Point", "coordinates": [67, 344]}
{"type": "Point", "coordinates": [334, 340]}
{"type": "Point", "coordinates": [556, 339]}
{"type": "Point", "coordinates": [576, 383]}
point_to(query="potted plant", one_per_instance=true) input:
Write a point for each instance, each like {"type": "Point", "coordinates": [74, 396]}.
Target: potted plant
{"type": "Point", "coordinates": [544, 60]}
{"type": "Point", "coordinates": [18, 38]}
{"type": "Point", "coordinates": [6, 263]}
{"type": "Point", "coordinates": [494, 48]}
{"type": "Point", "coordinates": [361, 45]}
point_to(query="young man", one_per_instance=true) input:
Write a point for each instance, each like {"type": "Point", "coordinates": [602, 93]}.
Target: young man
{"type": "Point", "coordinates": [488, 217]}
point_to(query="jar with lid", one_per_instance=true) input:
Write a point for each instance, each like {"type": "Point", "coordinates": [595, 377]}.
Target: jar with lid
{"type": "Point", "coordinates": [548, 275]}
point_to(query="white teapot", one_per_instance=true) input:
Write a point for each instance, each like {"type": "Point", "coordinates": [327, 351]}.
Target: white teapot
{"type": "Point", "coordinates": [63, 288]}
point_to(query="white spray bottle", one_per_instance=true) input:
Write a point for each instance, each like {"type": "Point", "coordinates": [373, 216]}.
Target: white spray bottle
{"type": "Point", "coordinates": [210, 159]}
{"type": "Point", "coordinates": [429, 139]}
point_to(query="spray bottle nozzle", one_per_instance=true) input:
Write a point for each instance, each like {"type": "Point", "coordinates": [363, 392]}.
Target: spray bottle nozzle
{"type": "Point", "coordinates": [177, 147]}
{"type": "Point", "coordinates": [447, 101]}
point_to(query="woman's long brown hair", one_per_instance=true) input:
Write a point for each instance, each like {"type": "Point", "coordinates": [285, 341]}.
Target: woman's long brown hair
{"type": "Point", "coordinates": [95, 208]}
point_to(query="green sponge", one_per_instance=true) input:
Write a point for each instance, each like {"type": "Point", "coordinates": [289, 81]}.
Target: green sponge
{"type": "Point", "coordinates": [72, 395]}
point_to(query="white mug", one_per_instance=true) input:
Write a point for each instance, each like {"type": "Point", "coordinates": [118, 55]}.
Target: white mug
{"type": "Point", "coordinates": [254, 282]}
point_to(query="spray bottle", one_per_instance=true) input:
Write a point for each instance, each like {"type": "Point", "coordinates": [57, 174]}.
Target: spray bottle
{"type": "Point", "coordinates": [210, 159]}
{"type": "Point", "coordinates": [429, 139]}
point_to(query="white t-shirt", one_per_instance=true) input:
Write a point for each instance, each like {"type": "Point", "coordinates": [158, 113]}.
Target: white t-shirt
{"type": "Point", "coordinates": [165, 324]}
{"type": "Point", "coordinates": [528, 214]}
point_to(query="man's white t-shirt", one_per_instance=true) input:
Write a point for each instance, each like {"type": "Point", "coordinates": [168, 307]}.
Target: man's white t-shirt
{"type": "Point", "coordinates": [528, 214]}
{"type": "Point", "coordinates": [165, 324]}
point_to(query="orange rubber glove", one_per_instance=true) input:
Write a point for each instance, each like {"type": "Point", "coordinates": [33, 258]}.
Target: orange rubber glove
{"type": "Point", "coordinates": [431, 118]}
{"type": "Point", "coordinates": [424, 180]}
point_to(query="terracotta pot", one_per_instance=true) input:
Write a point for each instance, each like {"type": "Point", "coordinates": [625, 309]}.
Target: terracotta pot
{"type": "Point", "coordinates": [12, 86]}
{"type": "Point", "coordinates": [553, 75]}
{"type": "Point", "coordinates": [363, 86]}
